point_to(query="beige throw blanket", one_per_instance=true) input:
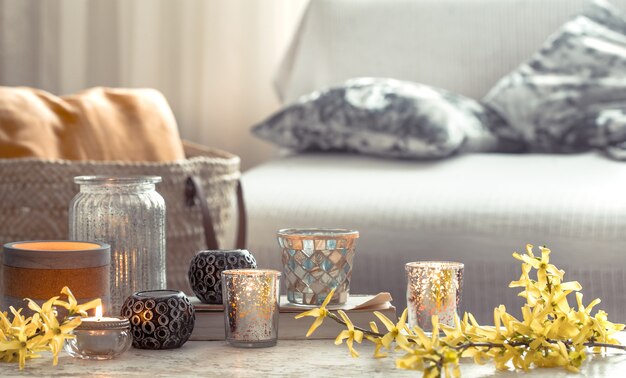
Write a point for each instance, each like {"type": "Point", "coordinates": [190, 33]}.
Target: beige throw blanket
{"type": "Point", "coordinates": [96, 124]}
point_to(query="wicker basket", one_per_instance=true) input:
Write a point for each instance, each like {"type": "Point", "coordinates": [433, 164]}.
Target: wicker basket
{"type": "Point", "coordinates": [35, 195]}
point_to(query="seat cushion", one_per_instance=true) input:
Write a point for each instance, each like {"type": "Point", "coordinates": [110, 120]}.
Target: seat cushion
{"type": "Point", "coordinates": [477, 209]}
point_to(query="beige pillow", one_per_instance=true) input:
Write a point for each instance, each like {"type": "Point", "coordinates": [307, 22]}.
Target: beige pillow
{"type": "Point", "coordinates": [95, 124]}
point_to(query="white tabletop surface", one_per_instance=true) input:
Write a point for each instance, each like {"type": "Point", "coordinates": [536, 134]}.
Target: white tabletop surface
{"type": "Point", "coordinates": [319, 358]}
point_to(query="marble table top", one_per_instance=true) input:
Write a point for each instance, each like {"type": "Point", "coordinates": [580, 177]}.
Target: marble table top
{"type": "Point", "coordinates": [319, 358]}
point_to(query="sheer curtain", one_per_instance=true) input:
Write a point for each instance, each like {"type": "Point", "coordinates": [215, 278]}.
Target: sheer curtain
{"type": "Point", "coordinates": [213, 59]}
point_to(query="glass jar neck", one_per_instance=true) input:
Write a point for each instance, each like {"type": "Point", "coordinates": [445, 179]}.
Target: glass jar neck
{"type": "Point", "coordinates": [117, 188]}
{"type": "Point", "coordinates": [103, 184]}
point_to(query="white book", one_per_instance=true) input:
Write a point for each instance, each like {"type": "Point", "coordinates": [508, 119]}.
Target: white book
{"type": "Point", "coordinates": [360, 309]}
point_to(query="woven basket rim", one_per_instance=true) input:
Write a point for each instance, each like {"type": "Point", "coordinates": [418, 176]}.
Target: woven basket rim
{"type": "Point", "coordinates": [194, 152]}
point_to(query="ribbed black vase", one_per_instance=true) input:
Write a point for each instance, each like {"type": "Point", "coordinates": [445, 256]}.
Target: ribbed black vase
{"type": "Point", "coordinates": [206, 267]}
{"type": "Point", "coordinates": [159, 319]}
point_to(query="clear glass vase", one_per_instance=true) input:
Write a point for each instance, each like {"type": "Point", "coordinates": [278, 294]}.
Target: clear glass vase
{"type": "Point", "coordinates": [128, 214]}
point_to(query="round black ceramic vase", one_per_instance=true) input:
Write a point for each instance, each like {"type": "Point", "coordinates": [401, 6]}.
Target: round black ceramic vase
{"type": "Point", "coordinates": [206, 267]}
{"type": "Point", "coordinates": [159, 319]}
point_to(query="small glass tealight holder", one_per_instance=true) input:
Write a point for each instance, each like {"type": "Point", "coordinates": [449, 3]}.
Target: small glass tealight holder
{"type": "Point", "coordinates": [100, 338]}
{"type": "Point", "coordinates": [251, 301]}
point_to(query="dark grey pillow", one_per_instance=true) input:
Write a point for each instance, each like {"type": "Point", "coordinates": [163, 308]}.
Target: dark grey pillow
{"type": "Point", "coordinates": [551, 102]}
{"type": "Point", "coordinates": [382, 117]}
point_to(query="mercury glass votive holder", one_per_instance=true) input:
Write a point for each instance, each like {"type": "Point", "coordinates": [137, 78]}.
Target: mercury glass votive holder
{"type": "Point", "coordinates": [251, 307]}
{"type": "Point", "coordinates": [102, 339]}
{"type": "Point", "coordinates": [433, 288]}
{"type": "Point", "coordinates": [315, 261]}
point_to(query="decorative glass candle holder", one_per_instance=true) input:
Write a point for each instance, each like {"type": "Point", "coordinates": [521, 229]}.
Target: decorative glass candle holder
{"type": "Point", "coordinates": [205, 271]}
{"type": "Point", "coordinates": [128, 214]}
{"type": "Point", "coordinates": [315, 261]}
{"type": "Point", "coordinates": [100, 338]}
{"type": "Point", "coordinates": [40, 269]}
{"type": "Point", "coordinates": [251, 300]}
{"type": "Point", "coordinates": [159, 319]}
{"type": "Point", "coordinates": [433, 288]}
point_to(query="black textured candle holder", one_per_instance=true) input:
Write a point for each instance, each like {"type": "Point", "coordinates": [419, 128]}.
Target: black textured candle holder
{"type": "Point", "coordinates": [159, 319]}
{"type": "Point", "coordinates": [206, 267]}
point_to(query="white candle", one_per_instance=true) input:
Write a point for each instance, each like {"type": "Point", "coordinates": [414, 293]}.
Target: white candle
{"type": "Point", "coordinates": [99, 337]}
{"type": "Point", "coordinates": [99, 317]}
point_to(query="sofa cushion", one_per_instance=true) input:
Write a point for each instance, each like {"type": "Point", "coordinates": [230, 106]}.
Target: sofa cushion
{"type": "Point", "coordinates": [551, 102]}
{"type": "Point", "coordinates": [382, 117]}
{"type": "Point", "coordinates": [96, 124]}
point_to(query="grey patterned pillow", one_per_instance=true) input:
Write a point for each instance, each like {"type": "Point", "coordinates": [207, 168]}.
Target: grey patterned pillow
{"type": "Point", "coordinates": [551, 103]}
{"type": "Point", "coordinates": [611, 132]}
{"type": "Point", "coordinates": [382, 117]}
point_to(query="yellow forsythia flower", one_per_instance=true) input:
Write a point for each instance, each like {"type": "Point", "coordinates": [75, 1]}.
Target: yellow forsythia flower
{"type": "Point", "coordinates": [22, 338]}
{"type": "Point", "coordinates": [319, 313]}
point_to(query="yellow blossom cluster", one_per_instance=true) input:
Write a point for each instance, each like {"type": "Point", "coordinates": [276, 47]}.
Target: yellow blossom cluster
{"type": "Point", "coordinates": [549, 334]}
{"type": "Point", "coordinates": [23, 338]}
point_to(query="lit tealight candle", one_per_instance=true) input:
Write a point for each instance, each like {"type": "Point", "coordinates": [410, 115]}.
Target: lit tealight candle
{"type": "Point", "coordinates": [100, 338]}
{"type": "Point", "coordinates": [99, 318]}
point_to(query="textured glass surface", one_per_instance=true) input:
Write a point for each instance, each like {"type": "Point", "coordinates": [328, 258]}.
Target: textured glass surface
{"type": "Point", "coordinates": [98, 344]}
{"type": "Point", "coordinates": [128, 214]}
{"type": "Point", "coordinates": [316, 261]}
{"type": "Point", "coordinates": [251, 303]}
{"type": "Point", "coordinates": [433, 288]}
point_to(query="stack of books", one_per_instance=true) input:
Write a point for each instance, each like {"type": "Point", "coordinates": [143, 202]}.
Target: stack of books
{"type": "Point", "coordinates": [359, 308]}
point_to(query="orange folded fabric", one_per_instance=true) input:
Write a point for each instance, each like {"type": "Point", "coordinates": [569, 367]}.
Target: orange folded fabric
{"type": "Point", "coordinates": [95, 124]}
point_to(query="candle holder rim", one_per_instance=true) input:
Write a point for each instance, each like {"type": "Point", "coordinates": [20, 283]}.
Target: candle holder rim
{"type": "Point", "coordinates": [117, 180]}
{"type": "Point", "coordinates": [434, 264]}
{"type": "Point", "coordinates": [251, 272]}
{"type": "Point", "coordinates": [120, 323]}
{"type": "Point", "coordinates": [222, 250]}
{"type": "Point", "coordinates": [15, 245]}
{"type": "Point", "coordinates": [317, 233]}
{"type": "Point", "coordinates": [60, 258]}
{"type": "Point", "coordinates": [147, 294]}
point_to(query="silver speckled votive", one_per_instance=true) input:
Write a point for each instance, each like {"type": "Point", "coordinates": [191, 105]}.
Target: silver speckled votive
{"type": "Point", "coordinates": [433, 288]}
{"type": "Point", "coordinates": [251, 300]}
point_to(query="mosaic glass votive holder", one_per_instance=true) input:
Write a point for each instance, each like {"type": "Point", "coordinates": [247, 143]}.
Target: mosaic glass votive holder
{"type": "Point", "coordinates": [433, 288]}
{"type": "Point", "coordinates": [251, 304]}
{"type": "Point", "coordinates": [315, 261]}
{"type": "Point", "coordinates": [159, 319]}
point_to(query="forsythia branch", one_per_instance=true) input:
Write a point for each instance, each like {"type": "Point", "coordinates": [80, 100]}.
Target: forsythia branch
{"type": "Point", "coordinates": [550, 332]}
{"type": "Point", "coordinates": [22, 338]}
